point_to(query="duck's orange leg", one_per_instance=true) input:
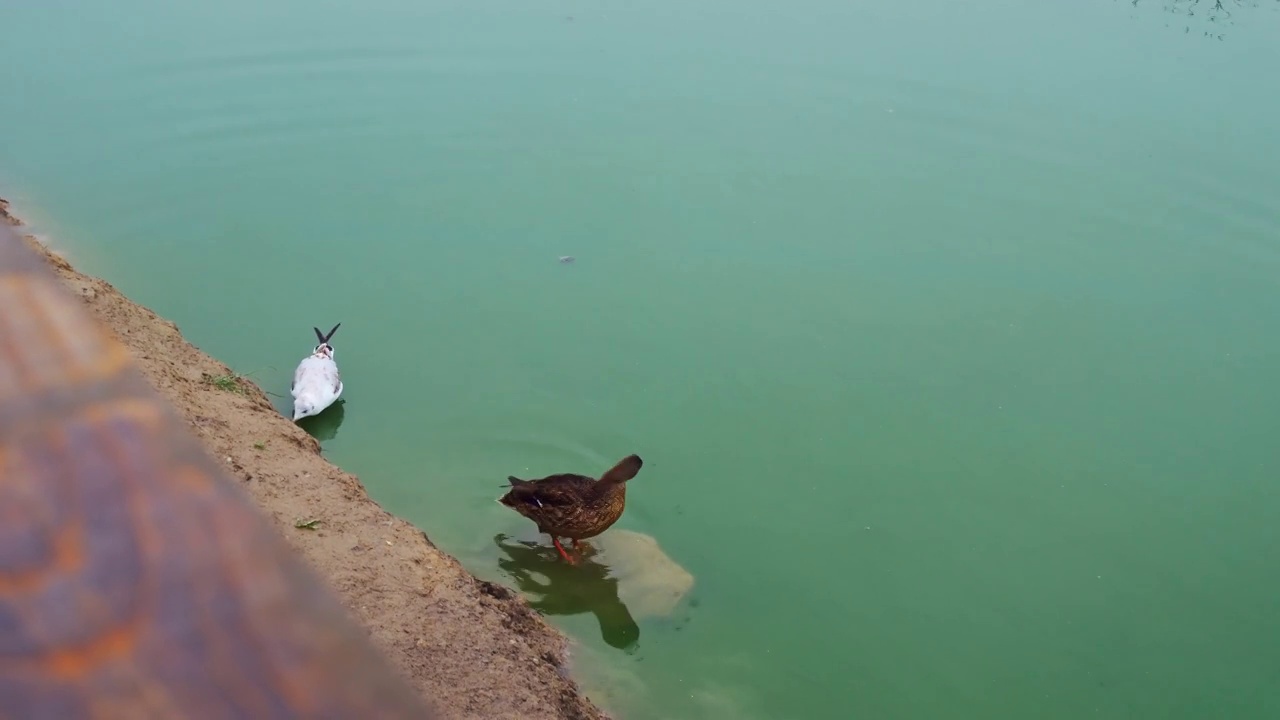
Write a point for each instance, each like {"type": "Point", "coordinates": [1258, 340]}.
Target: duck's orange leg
{"type": "Point", "coordinates": [559, 547]}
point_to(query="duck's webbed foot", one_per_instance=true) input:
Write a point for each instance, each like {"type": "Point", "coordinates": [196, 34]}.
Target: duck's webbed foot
{"type": "Point", "coordinates": [560, 547]}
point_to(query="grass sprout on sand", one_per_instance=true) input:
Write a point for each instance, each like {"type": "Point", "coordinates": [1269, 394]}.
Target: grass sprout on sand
{"type": "Point", "coordinates": [229, 383]}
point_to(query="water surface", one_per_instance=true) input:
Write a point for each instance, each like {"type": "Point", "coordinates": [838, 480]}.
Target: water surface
{"type": "Point", "coordinates": [947, 332]}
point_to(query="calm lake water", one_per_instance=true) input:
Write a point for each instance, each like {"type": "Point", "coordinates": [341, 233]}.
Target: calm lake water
{"type": "Point", "coordinates": [947, 332]}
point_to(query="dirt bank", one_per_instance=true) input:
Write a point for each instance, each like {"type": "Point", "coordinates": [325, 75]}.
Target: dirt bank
{"type": "Point", "coordinates": [474, 648]}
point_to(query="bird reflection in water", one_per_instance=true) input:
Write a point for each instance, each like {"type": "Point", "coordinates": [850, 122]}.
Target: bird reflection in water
{"type": "Point", "coordinates": [324, 427]}
{"type": "Point", "coordinates": [555, 587]}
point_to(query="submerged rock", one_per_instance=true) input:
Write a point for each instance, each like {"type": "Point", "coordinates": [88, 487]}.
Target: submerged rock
{"type": "Point", "coordinates": [650, 583]}
{"type": "Point", "coordinates": [620, 577]}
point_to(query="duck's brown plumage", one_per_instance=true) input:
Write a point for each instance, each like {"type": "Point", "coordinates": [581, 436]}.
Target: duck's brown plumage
{"type": "Point", "coordinates": [573, 506]}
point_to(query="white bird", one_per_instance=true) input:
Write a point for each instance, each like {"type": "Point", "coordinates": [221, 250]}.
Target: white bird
{"type": "Point", "coordinates": [316, 382]}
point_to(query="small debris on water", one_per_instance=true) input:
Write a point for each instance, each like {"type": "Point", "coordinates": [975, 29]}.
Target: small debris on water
{"type": "Point", "coordinates": [566, 259]}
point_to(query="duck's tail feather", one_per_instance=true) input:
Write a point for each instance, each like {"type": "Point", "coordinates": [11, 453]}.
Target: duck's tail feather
{"type": "Point", "coordinates": [515, 491]}
{"type": "Point", "coordinates": [624, 470]}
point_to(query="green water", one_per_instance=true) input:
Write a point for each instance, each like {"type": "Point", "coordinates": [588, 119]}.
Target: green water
{"type": "Point", "coordinates": [947, 331]}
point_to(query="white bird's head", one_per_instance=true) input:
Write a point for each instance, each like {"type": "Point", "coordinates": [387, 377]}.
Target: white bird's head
{"type": "Point", "coordinates": [303, 408]}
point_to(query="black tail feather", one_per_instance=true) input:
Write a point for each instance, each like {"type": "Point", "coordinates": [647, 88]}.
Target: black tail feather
{"type": "Point", "coordinates": [324, 339]}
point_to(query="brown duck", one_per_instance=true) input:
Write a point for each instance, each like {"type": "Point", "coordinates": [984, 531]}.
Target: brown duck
{"type": "Point", "coordinates": [573, 506]}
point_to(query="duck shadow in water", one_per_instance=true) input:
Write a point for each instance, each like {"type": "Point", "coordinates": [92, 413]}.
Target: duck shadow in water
{"type": "Point", "coordinates": [554, 587]}
{"type": "Point", "coordinates": [324, 427]}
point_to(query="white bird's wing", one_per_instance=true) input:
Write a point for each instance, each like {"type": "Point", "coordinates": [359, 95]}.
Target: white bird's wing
{"type": "Point", "coordinates": [333, 378]}
{"type": "Point", "coordinates": [298, 375]}
{"type": "Point", "coordinates": [319, 378]}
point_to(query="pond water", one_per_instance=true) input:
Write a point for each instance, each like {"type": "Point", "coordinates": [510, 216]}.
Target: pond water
{"type": "Point", "coordinates": [947, 332]}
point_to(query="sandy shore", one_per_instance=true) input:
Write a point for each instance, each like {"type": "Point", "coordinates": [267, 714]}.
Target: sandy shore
{"type": "Point", "coordinates": [474, 648]}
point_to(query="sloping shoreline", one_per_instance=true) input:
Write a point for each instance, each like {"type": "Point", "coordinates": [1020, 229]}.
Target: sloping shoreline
{"type": "Point", "coordinates": [473, 648]}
